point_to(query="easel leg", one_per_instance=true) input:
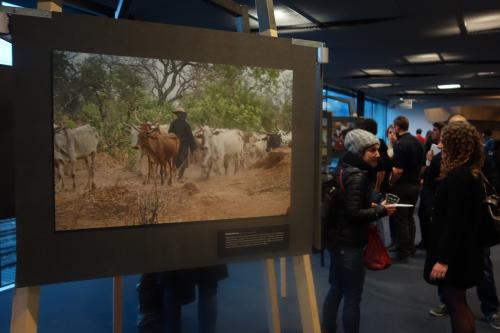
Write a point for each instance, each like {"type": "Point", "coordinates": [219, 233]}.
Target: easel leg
{"type": "Point", "coordinates": [272, 297]}
{"type": "Point", "coordinates": [25, 305]}
{"type": "Point", "coordinates": [306, 294]}
{"type": "Point", "coordinates": [283, 276]}
{"type": "Point", "coordinates": [117, 304]}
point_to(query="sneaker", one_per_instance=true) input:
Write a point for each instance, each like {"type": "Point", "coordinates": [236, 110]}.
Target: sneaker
{"type": "Point", "coordinates": [493, 320]}
{"type": "Point", "coordinates": [392, 248]}
{"type": "Point", "coordinates": [439, 311]}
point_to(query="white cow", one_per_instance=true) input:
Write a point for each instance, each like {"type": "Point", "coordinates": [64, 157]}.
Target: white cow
{"type": "Point", "coordinates": [286, 138]}
{"type": "Point", "coordinates": [71, 145]}
{"type": "Point", "coordinates": [255, 146]}
{"type": "Point", "coordinates": [221, 147]}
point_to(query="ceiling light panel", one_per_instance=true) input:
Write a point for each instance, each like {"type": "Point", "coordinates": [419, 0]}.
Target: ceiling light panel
{"type": "Point", "coordinates": [486, 74]}
{"type": "Point", "coordinates": [449, 86]}
{"type": "Point", "coordinates": [448, 56]}
{"type": "Point", "coordinates": [423, 58]}
{"type": "Point", "coordinates": [415, 92]}
{"type": "Point", "coordinates": [379, 85]}
{"type": "Point", "coordinates": [378, 71]}
{"type": "Point", "coordinates": [284, 16]}
{"type": "Point", "coordinates": [482, 22]}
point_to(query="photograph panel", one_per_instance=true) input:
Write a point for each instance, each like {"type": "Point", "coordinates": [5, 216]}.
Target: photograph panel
{"type": "Point", "coordinates": [140, 141]}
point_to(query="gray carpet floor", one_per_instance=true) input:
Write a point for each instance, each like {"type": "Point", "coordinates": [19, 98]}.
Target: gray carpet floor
{"type": "Point", "coordinates": [394, 300]}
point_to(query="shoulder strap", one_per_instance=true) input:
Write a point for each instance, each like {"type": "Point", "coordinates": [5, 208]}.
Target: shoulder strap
{"type": "Point", "coordinates": [341, 179]}
{"type": "Point", "coordinates": [487, 183]}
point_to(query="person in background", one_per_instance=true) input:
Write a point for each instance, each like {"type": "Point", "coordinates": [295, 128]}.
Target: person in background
{"type": "Point", "coordinates": [419, 136]}
{"type": "Point", "coordinates": [434, 140]}
{"type": "Point", "coordinates": [392, 138]}
{"type": "Point", "coordinates": [349, 236]}
{"type": "Point", "coordinates": [454, 258]}
{"type": "Point", "coordinates": [179, 288]}
{"type": "Point", "coordinates": [405, 183]}
{"type": "Point", "coordinates": [486, 289]}
{"type": "Point", "coordinates": [181, 128]}
{"type": "Point", "coordinates": [428, 135]}
{"type": "Point", "coordinates": [429, 186]}
{"type": "Point", "coordinates": [489, 142]}
{"type": "Point", "coordinates": [381, 173]}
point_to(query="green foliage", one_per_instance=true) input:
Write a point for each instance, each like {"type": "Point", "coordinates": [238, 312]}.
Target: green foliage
{"type": "Point", "coordinates": [109, 92]}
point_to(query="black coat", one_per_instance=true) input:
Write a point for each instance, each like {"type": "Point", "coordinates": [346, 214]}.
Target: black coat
{"type": "Point", "coordinates": [354, 204]}
{"type": "Point", "coordinates": [454, 231]}
{"type": "Point", "coordinates": [181, 128]}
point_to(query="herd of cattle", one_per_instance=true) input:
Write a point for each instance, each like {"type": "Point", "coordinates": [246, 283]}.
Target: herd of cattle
{"type": "Point", "coordinates": [218, 149]}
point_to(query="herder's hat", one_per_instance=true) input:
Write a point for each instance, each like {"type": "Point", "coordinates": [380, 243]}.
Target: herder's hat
{"type": "Point", "coordinates": [179, 109]}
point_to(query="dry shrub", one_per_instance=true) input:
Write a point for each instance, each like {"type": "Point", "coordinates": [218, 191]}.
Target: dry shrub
{"type": "Point", "coordinates": [150, 207]}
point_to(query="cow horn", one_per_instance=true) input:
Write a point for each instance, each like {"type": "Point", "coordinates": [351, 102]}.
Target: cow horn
{"type": "Point", "coordinates": [137, 118]}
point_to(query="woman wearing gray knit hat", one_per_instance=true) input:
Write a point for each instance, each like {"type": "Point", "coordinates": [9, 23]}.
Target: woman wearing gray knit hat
{"type": "Point", "coordinates": [349, 235]}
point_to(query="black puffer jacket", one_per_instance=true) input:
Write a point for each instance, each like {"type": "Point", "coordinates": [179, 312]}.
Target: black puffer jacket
{"type": "Point", "coordinates": [354, 205]}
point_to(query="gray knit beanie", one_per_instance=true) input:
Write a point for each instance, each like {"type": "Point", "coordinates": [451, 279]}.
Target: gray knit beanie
{"type": "Point", "coordinates": [358, 140]}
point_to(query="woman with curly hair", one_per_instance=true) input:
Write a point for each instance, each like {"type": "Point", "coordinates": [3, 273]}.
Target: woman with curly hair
{"type": "Point", "coordinates": [455, 258]}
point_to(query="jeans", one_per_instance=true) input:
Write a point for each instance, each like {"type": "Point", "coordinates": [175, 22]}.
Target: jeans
{"type": "Point", "coordinates": [403, 220]}
{"type": "Point", "coordinates": [347, 276]}
{"type": "Point", "coordinates": [486, 289]}
{"type": "Point", "coordinates": [207, 309]}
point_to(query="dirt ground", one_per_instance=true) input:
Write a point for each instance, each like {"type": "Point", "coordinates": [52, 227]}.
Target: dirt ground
{"type": "Point", "coordinates": [122, 199]}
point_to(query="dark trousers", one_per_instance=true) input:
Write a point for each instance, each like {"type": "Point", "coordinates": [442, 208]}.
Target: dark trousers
{"type": "Point", "coordinates": [486, 289]}
{"type": "Point", "coordinates": [425, 213]}
{"type": "Point", "coordinates": [207, 308]}
{"type": "Point", "coordinates": [347, 277]}
{"type": "Point", "coordinates": [403, 220]}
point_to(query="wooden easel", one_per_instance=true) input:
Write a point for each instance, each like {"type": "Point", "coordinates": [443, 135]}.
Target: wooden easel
{"type": "Point", "coordinates": [26, 301]}
{"type": "Point", "coordinates": [306, 293]}
{"type": "Point", "coordinates": [25, 304]}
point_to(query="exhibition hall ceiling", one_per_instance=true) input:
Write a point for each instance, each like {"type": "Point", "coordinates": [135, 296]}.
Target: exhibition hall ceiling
{"type": "Point", "coordinates": [386, 48]}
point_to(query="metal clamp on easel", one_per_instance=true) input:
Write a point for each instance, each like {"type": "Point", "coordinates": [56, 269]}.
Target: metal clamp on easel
{"type": "Point", "coordinates": [7, 11]}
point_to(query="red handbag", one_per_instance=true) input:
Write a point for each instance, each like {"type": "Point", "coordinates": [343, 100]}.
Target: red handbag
{"type": "Point", "coordinates": [376, 255]}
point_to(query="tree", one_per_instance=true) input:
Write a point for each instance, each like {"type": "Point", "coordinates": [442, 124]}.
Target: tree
{"type": "Point", "coordinates": [169, 79]}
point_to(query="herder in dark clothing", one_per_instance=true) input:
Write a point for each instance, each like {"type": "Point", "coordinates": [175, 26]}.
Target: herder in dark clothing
{"type": "Point", "coordinates": [181, 128]}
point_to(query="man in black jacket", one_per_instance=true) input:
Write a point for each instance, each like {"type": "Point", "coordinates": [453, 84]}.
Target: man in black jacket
{"type": "Point", "coordinates": [405, 183]}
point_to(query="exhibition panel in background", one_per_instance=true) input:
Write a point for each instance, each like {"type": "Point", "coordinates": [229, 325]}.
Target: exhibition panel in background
{"type": "Point", "coordinates": [113, 80]}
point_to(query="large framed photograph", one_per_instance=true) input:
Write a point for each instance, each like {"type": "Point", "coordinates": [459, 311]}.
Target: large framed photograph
{"type": "Point", "coordinates": [145, 155]}
{"type": "Point", "coordinates": [141, 141]}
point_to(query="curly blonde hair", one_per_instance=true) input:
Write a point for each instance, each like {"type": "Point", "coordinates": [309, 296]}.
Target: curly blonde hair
{"type": "Point", "coordinates": [462, 145]}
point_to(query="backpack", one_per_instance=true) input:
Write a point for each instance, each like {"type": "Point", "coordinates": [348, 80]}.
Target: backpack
{"type": "Point", "coordinates": [329, 207]}
{"type": "Point", "coordinates": [490, 223]}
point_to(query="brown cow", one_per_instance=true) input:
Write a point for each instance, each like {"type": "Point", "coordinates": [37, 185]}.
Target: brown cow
{"type": "Point", "coordinates": [161, 149]}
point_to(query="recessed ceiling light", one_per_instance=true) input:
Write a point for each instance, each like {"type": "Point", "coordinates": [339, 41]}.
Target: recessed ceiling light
{"type": "Point", "coordinates": [379, 85]}
{"type": "Point", "coordinates": [449, 56]}
{"type": "Point", "coordinates": [284, 16]}
{"type": "Point", "coordinates": [485, 73]}
{"type": "Point", "coordinates": [449, 86]}
{"type": "Point", "coordinates": [378, 71]}
{"type": "Point", "coordinates": [422, 58]}
{"type": "Point", "coordinates": [415, 92]}
{"type": "Point", "coordinates": [482, 22]}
